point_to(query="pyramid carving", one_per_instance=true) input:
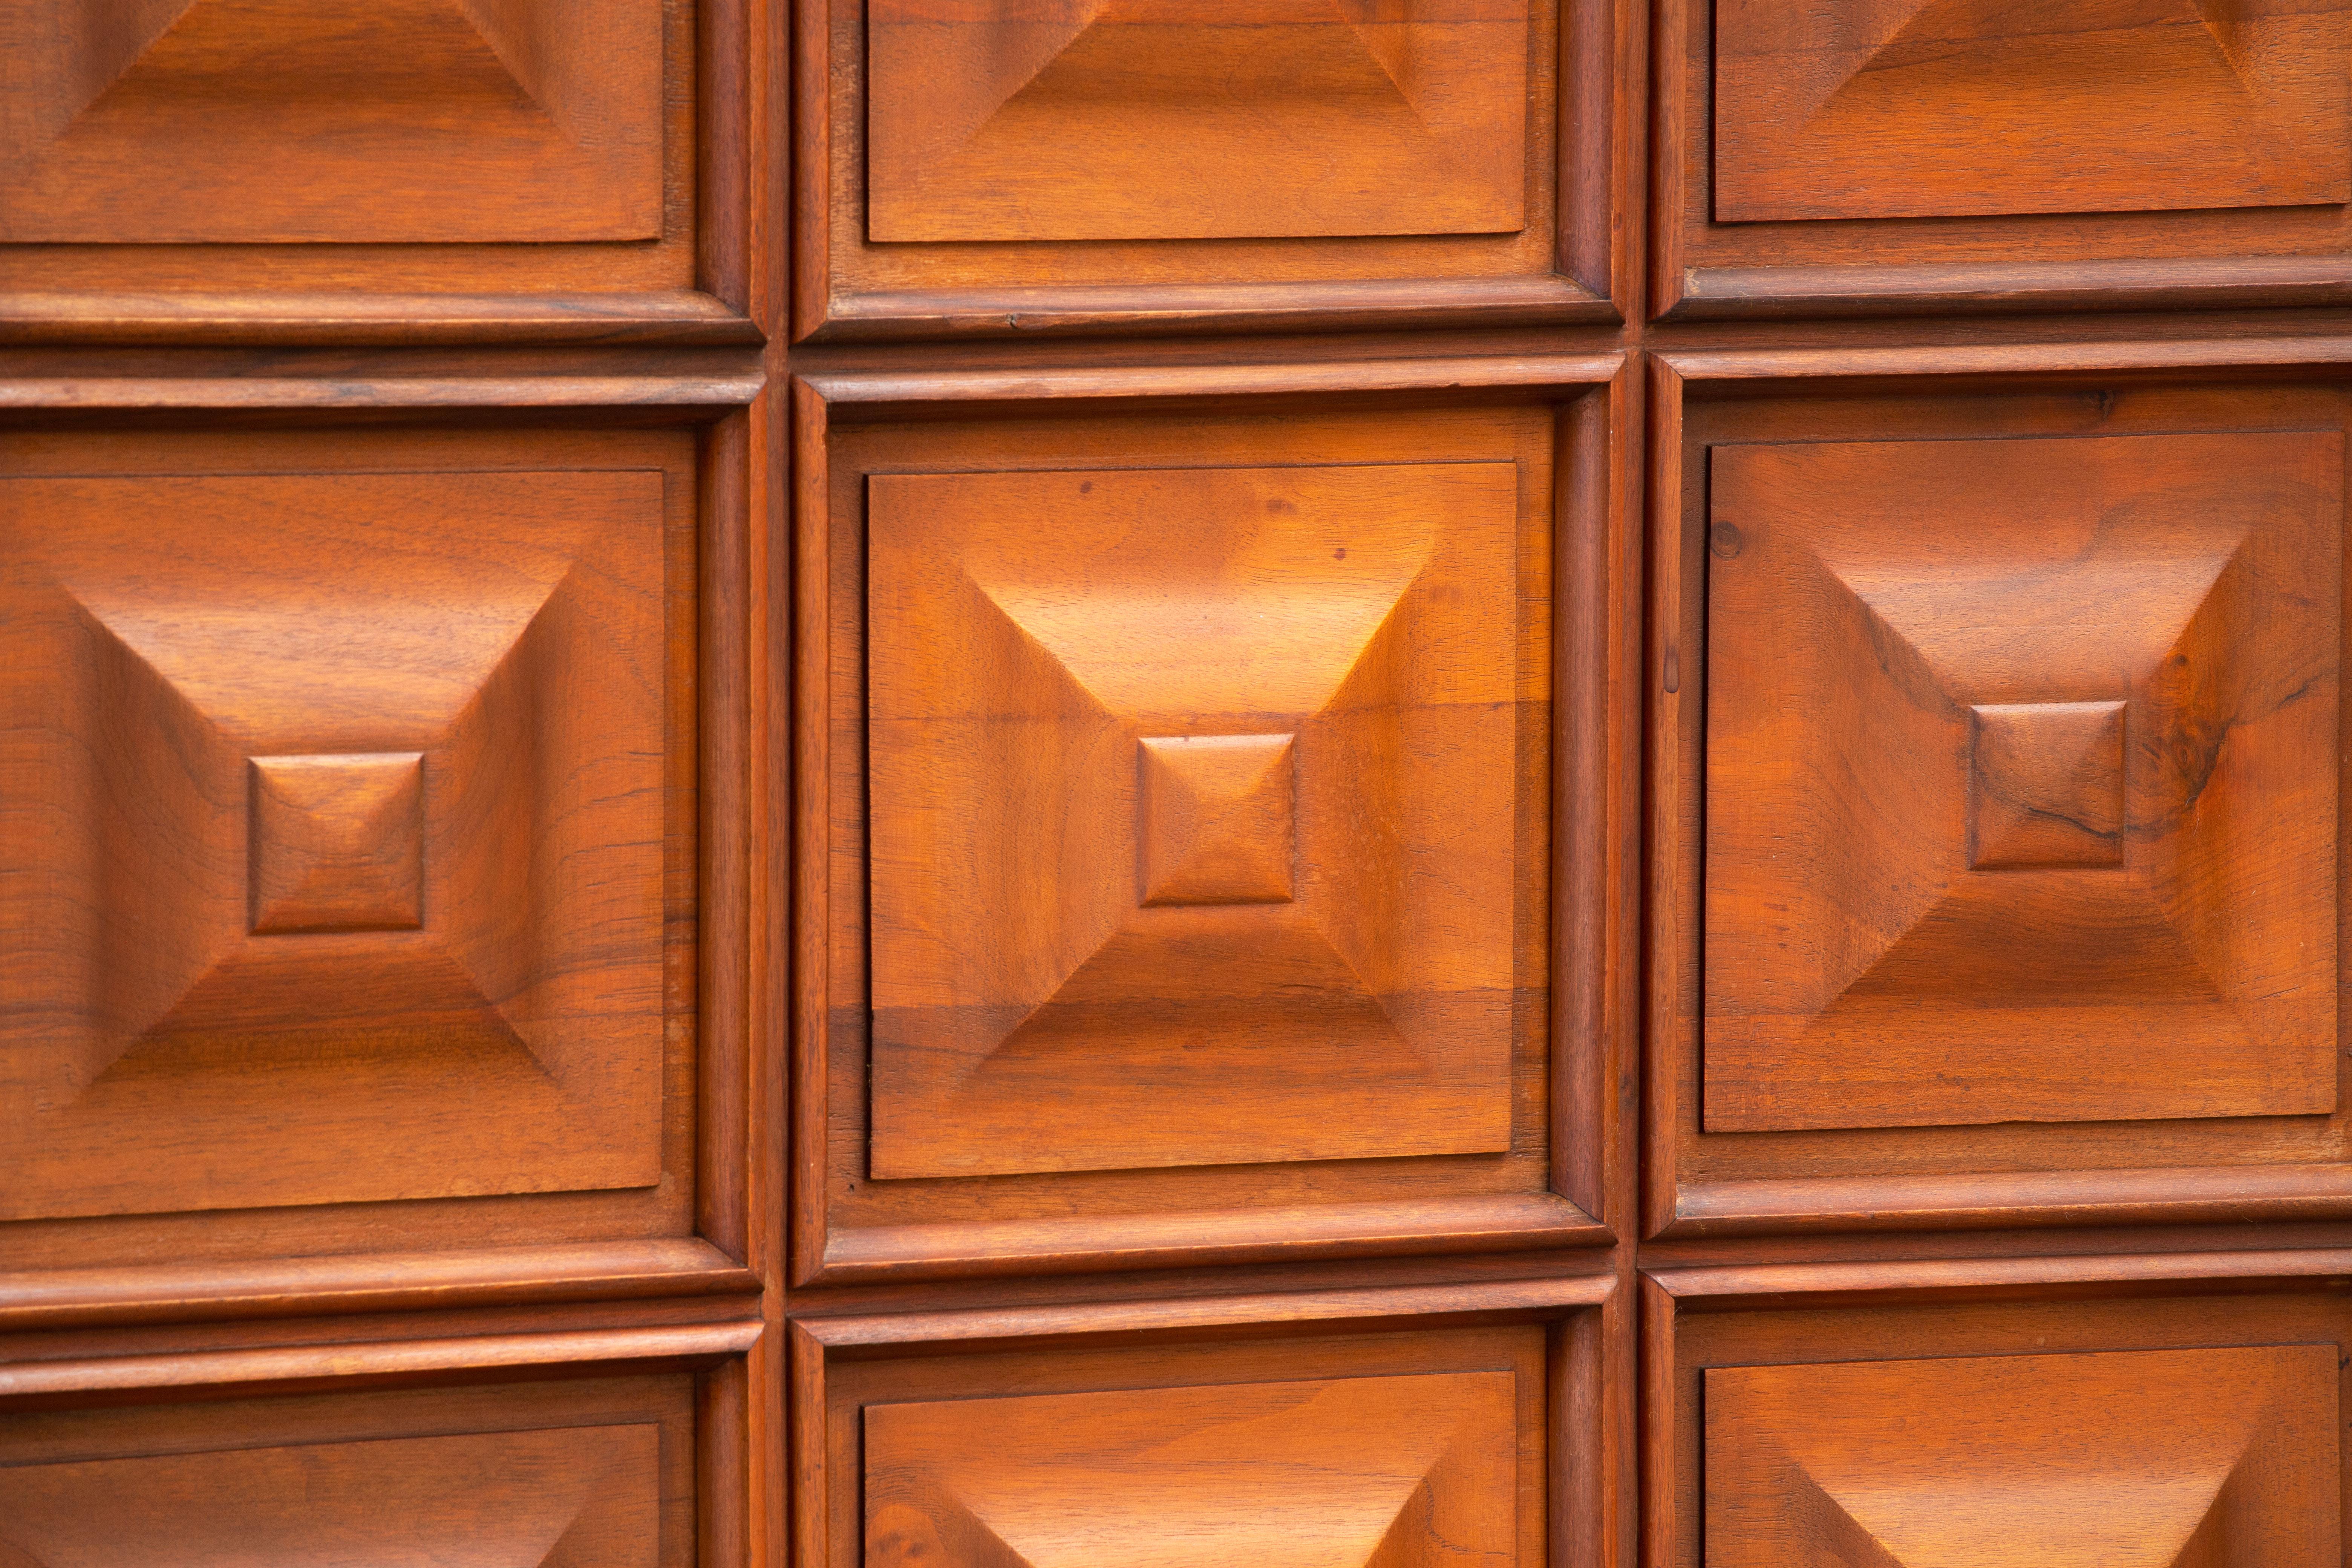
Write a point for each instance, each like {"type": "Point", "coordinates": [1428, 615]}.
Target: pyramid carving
{"type": "Point", "coordinates": [1163, 120]}
{"type": "Point", "coordinates": [141, 120]}
{"type": "Point", "coordinates": [341, 803]}
{"type": "Point", "coordinates": [1375, 1473]}
{"type": "Point", "coordinates": [1173, 819]}
{"type": "Point", "coordinates": [2121, 1459]}
{"type": "Point", "coordinates": [2018, 779]}
{"type": "Point", "coordinates": [2110, 105]}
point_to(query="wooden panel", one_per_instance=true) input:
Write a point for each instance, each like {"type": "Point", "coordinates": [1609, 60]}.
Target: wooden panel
{"type": "Point", "coordinates": [349, 120]}
{"type": "Point", "coordinates": [338, 835]}
{"type": "Point", "coordinates": [1161, 120]}
{"type": "Point", "coordinates": [1997, 861]}
{"type": "Point", "coordinates": [1868, 108]}
{"type": "Point", "coordinates": [1892, 156]}
{"type": "Point", "coordinates": [2021, 780]}
{"type": "Point", "coordinates": [1404, 1470]}
{"type": "Point", "coordinates": [567, 1476]}
{"type": "Point", "coordinates": [1045, 651]}
{"type": "Point", "coordinates": [2075, 1425]}
{"type": "Point", "coordinates": [983, 166]}
{"type": "Point", "coordinates": [2160, 1457]}
{"type": "Point", "coordinates": [1190, 883]}
{"type": "Point", "coordinates": [1409, 1448]}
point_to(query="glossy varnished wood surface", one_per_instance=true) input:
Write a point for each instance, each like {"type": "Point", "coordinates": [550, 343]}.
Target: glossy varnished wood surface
{"type": "Point", "coordinates": [1296, 1302]}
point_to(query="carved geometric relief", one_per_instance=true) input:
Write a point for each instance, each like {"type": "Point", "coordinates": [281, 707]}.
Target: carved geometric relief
{"type": "Point", "coordinates": [576, 1497]}
{"type": "Point", "coordinates": [2021, 781]}
{"type": "Point", "coordinates": [2194, 1459]}
{"type": "Point", "coordinates": [335, 848]}
{"type": "Point", "coordinates": [337, 842]}
{"type": "Point", "coordinates": [1363, 1472]}
{"type": "Point", "coordinates": [1175, 119]}
{"type": "Point", "coordinates": [2046, 784]}
{"type": "Point", "coordinates": [1193, 837]}
{"type": "Point", "coordinates": [148, 121]}
{"type": "Point", "coordinates": [1873, 109]}
{"type": "Point", "coordinates": [1218, 819]}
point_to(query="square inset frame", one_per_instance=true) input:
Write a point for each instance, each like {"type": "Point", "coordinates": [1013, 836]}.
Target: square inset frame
{"type": "Point", "coordinates": [1264, 163]}
{"type": "Point", "coordinates": [1841, 158]}
{"type": "Point", "coordinates": [1017, 945]}
{"type": "Point", "coordinates": [1897, 731]}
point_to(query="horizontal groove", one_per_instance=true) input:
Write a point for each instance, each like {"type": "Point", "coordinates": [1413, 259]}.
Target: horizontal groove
{"type": "Point", "coordinates": [683, 319]}
{"type": "Point", "coordinates": [377, 1359]}
{"type": "Point", "coordinates": [991, 1324]}
{"type": "Point", "coordinates": [385, 1281]}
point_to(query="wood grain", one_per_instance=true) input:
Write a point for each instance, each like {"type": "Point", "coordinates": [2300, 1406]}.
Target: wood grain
{"type": "Point", "coordinates": [1889, 686]}
{"type": "Point", "coordinates": [1978, 758]}
{"type": "Point", "coordinates": [2154, 1457]}
{"type": "Point", "coordinates": [394, 828]}
{"type": "Point", "coordinates": [946, 523]}
{"type": "Point", "coordinates": [1045, 649]}
{"type": "Point", "coordinates": [580, 1471]}
{"type": "Point", "coordinates": [276, 120]}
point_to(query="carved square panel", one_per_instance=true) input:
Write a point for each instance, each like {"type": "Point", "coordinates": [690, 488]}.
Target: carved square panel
{"type": "Point", "coordinates": [1192, 880]}
{"type": "Point", "coordinates": [1405, 1447]}
{"type": "Point", "coordinates": [1093, 119]}
{"type": "Point", "coordinates": [1367, 1470]}
{"type": "Point", "coordinates": [585, 1474]}
{"type": "Point", "coordinates": [1287, 695]}
{"type": "Point", "coordinates": [337, 844]}
{"type": "Point", "coordinates": [2119, 1460]}
{"type": "Point", "coordinates": [2021, 760]}
{"type": "Point", "coordinates": [1879, 109]}
{"type": "Point", "coordinates": [146, 122]}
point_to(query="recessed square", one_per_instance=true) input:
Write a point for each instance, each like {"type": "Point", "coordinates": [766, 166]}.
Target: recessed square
{"type": "Point", "coordinates": [2046, 784]}
{"type": "Point", "coordinates": [1934, 897]}
{"type": "Point", "coordinates": [337, 842]}
{"type": "Point", "coordinates": [1077, 119]}
{"type": "Point", "coordinates": [1217, 819]}
{"type": "Point", "coordinates": [1206, 845]}
{"type": "Point", "coordinates": [1883, 109]}
{"type": "Point", "coordinates": [2116, 1460]}
{"type": "Point", "coordinates": [148, 121]}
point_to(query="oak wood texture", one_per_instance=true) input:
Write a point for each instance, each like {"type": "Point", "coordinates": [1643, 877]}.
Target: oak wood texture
{"type": "Point", "coordinates": [592, 1472]}
{"type": "Point", "coordinates": [1381, 1435]}
{"type": "Point", "coordinates": [1880, 659]}
{"type": "Point", "coordinates": [1941, 155]}
{"type": "Point", "coordinates": [978, 168]}
{"type": "Point", "coordinates": [1003, 641]}
{"type": "Point", "coordinates": [1856, 1415]}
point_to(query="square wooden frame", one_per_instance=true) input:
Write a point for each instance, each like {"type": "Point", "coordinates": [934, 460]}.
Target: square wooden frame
{"type": "Point", "coordinates": [1700, 269]}
{"type": "Point", "coordinates": [1699, 1183]}
{"type": "Point", "coordinates": [722, 120]}
{"type": "Point", "coordinates": [1594, 757]}
{"type": "Point", "coordinates": [1596, 179]}
{"type": "Point", "coordinates": [1589, 1412]}
{"type": "Point", "coordinates": [1749, 1315]}
{"type": "Point", "coordinates": [692, 1235]}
